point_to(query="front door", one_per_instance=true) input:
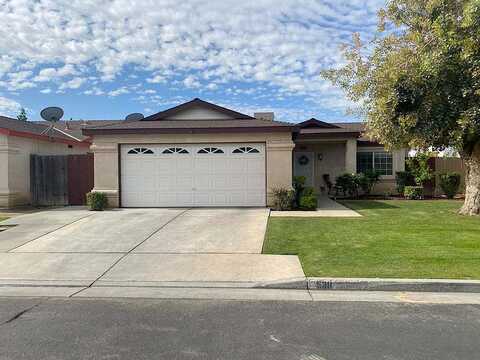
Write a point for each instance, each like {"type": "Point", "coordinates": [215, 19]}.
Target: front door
{"type": "Point", "coordinates": [303, 163]}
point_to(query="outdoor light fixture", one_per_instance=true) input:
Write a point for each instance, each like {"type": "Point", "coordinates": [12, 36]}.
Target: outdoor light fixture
{"type": "Point", "coordinates": [320, 156]}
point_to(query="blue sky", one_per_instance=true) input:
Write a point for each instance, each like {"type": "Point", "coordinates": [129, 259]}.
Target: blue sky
{"type": "Point", "coordinates": [105, 61]}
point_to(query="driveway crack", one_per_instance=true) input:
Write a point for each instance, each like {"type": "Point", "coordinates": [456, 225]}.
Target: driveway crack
{"type": "Point", "coordinates": [49, 232]}
{"type": "Point", "coordinates": [19, 314]}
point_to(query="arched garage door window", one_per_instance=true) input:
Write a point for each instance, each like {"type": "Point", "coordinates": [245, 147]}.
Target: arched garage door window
{"type": "Point", "coordinates": [140, 151]}
{"type": "Point", "coordinates": [245, 150]}
{"type": "Point", "coordinates": [175, 151]}
{"type": "Point", "coordinates": [210, 150]}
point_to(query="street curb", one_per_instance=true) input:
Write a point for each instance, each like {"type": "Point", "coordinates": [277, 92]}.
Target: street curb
{"type": "Point", "coordinates": [377, 284]}
{"type": "Point", "coordinates": [292, 284]}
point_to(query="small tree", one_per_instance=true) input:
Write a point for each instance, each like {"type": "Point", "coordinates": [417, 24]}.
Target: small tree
{"type": "Point", "coordinates": [22, 115]}
{"type": "Point", "coordinates": [418, 81]}
{"type": "Point", "coordinates": [450, 183]}
{"type": "Point", "coordinates": [419, 168]}
{"type": "Point", "coordinates": [368, 180]}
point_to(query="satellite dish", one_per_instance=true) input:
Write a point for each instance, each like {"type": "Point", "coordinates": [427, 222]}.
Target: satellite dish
{"type": "Point", "coordinates": [134, 117]}
{"type": "Point", "coordinates": [52, 114]}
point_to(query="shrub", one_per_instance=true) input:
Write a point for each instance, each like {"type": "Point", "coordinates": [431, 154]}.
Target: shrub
{"type": "Point", "coordinates": [298, 187]}
{"type": "Point", "coordinates": [282, 198]}
{"type": "Point", "coordinates": [450, 183]}
{"type": "Point", "coordinates": [97, 201]}
{"type": "Point", "coordinates": [413, 192]}
{"type": "Point", "coordinates": [419, 168]}
{"type": "Point", "coordinates": [308, 200]}
{"type": "Point", "coordinates": [348, 184]}
{"type": "Point", "coordinates": [368, 180]}
{"type": "Point", "coordinates": [404, 178]}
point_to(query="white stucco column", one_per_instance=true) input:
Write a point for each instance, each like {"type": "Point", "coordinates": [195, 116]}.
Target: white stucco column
{"type": "Point", "coordinates": [279, 166]}
{"type": "Point", "coordinates": [106, 171]}
{"type": "Point", "coordinates": [351, 156]}
{"type": "Point", "coordinates": [4, 189]}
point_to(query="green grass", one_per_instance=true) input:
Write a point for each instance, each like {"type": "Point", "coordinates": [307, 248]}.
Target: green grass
{"type": "Point", "coordinates": [394, 239]}
{"type": "Point", "coordinates": [3, 218]}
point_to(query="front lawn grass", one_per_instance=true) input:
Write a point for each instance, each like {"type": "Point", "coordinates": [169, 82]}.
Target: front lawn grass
{"type": "Point", "coordinates": [394, 239]}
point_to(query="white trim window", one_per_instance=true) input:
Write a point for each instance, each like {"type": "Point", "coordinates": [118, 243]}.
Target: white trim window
{"type": "Point", "coordinates": [380, 161]}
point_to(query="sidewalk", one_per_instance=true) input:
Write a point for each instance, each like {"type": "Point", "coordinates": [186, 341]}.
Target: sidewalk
{"type": "Point", "coordinates": [326, 208]}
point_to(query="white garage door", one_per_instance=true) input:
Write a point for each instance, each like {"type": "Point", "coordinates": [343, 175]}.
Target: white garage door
{"type": "Point", "coordinates": [193, 175]}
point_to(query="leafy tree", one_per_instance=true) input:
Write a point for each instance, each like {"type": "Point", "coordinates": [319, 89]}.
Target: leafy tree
{"type": "Point", "coordinates": [419, 168]}
{"type": "Point", "coordinates": [22, 115]}
{"type": "Point", "coordinates": [418, 81]}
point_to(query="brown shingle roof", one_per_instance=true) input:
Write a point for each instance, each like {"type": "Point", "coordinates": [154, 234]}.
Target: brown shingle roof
{"type": "Point", "coordinates": [172, 126]}
{"type": "Point", "coordinates": [350, 129]}
{"type": "Point", "coordinates": [32, 127]}
{"type": "Point", "coordinates": [74, 127]}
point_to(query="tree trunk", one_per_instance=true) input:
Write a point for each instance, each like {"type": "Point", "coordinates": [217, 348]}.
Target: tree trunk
{"type": "Point", "coordinates": [471, 206]}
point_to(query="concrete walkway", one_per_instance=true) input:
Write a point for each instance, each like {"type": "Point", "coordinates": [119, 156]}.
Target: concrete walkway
{"type": "Point", "coordinates": [74, 247]}
{"type": "Point", "coordinates": [326, 208]}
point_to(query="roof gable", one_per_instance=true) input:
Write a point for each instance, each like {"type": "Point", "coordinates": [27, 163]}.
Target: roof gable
{"type": "Point", "coordinates": [197, 109]}
{"type": "Point", "coordinates": [314, 123]}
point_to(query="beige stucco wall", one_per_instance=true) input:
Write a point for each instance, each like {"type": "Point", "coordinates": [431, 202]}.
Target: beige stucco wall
{"type": "Point", "coordinates": [387, 184]}
{"type": "Point", "coordinates": [332, 163]}
{"type": "Point", "coordinates": [198, 113]}
{"type": "Point", "coordinates": [15, 165]}
{"type": "Point", "coordinates": [4, 191]}
{"type": "Point", "coordinates": [339, 157]}
{"type": "Point", "coordinates": [279, 148]}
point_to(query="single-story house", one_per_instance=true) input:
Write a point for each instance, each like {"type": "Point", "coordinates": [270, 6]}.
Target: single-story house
{"type": "Point", "coordinates": [20, 139]}
{"type": "Point", "coordinates": [202, 154]}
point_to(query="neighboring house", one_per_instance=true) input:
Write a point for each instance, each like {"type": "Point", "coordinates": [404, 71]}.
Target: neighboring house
{"type": "Point", "coordinates": [20, 139]}
{"type": "Point", "coordinates": [201, 154]}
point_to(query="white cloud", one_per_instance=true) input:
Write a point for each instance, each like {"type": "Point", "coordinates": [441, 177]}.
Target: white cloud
{"type": "Point", "coordinates": [8, 107]}
{"type": "Point", "coordinates": [191, 82]}
{"type": "Point", "coordinates": [119, 91]}
{"type": "Point", "coordinates": [94, 91]}
{"type": "Point", "coordinates": [212, 86]}
{"type": "Point", "coordinates": [156, 79]}
{"type": "Point", "coordinates": [46, 91]}
{"type": "Point", "coordinates": [74, 83]}
{"type": "Point", "coordinates": [281, 43]}
{"type": "Point", "coordinates": [49, 74]}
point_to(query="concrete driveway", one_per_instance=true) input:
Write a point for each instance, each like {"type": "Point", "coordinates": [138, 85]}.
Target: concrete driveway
{"type": "Point", "coordinates": [141, 247]}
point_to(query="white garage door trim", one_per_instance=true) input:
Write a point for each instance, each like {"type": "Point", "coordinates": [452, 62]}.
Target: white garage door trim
{"type": "Point", "coordinates": [193, 175]}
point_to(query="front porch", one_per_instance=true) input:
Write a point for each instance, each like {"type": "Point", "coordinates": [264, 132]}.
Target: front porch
{"type": "Point", "coordinates": [320, 161]}
{"type": "Point", "coordinates": [324, 151]}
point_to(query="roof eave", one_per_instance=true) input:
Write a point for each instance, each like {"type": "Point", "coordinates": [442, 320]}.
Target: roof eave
{"type": "Point", "coordinates": [98, 131]}
{"type": "Point", "coordinates": [28, 135]}
{"type": "Point", "coordinates": [329, 135]}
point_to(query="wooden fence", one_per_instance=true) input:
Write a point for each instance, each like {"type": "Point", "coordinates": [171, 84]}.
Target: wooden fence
{"type": "Point", "coordinates": [57, 180]}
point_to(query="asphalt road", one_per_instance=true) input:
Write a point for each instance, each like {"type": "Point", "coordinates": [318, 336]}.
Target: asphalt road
{"type": "Point", "coordinates": [205, 329]}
